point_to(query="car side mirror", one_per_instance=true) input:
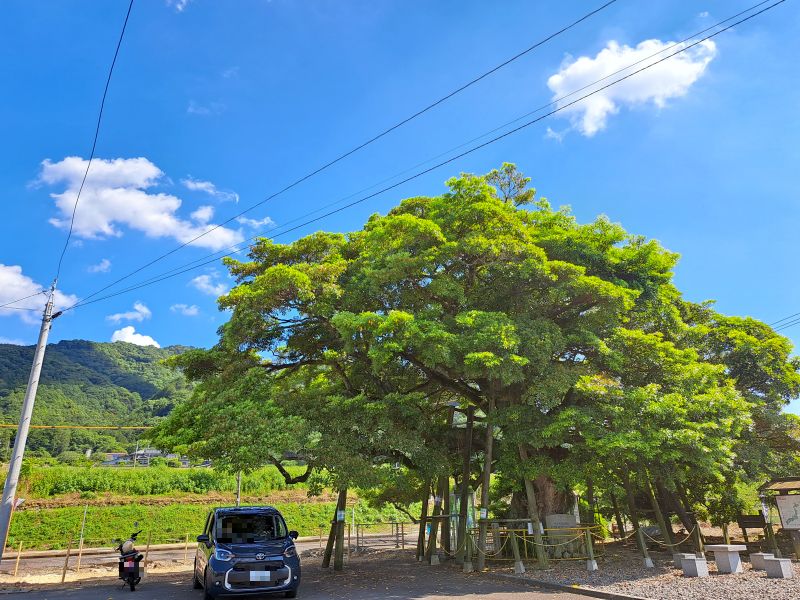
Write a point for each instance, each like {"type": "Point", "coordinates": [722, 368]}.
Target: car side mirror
{"type": "Point", "coordinates": [293, 534]}
{"type": "Point", "coordinates": [204, 539]}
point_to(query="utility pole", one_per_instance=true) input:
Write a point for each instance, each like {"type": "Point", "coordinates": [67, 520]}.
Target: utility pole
{"type": "Point", "coordinates": [12, 478]}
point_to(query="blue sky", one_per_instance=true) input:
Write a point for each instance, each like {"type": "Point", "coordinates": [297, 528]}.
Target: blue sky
{"type": "Point", "coordinates": [215, 105]}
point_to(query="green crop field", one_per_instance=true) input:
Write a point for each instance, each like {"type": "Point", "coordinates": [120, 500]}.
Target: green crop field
{"type": "Point", "coordinates": [47, 528]}
{"type": "Point", "coordinates": [47, 482]}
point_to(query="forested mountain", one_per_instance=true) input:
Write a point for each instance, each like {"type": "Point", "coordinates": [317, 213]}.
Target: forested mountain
{"type": "Point", "coordinates": [88, 383]}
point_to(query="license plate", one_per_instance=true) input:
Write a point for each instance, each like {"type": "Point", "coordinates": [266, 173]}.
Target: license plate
{"type": "Point", "coordinates": [259, 575]}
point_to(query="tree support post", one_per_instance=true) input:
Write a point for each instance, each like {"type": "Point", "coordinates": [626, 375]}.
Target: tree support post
{"type": "Point", "coordinates": [468, 554]}
{"type": "Point", "coordinates": [533, 514]}
{"type": "Point", "coordinates": [326, 557]}
{"type": "Point", "coordinates": [487, 478]}
{"type": "Point", "coordinates": [519, 568]}
{"type": "Point", "coordinates": [648, 562]}
{"type": "Point", "coordinates": [461, 538]}
{"type": "Point", "coordinates": [663, 524]}
{"type": "Point", "coordinates": [423, 518]}
{"type": "Point", "coordinates": [432, 554]}
{"type": "Point", "coordinates": [338, 556]}
{"type": "Point", "coordinates": [591, 563]}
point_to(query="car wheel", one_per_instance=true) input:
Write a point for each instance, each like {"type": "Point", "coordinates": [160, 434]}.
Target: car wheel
{"type": "Point", "coordinates": [195, 581]}
{"type": "Point", "coordinates": [206, 587]}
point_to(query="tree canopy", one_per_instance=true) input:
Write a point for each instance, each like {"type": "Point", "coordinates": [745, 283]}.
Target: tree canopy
{"type": "Point", "coordinates": [569, 340]}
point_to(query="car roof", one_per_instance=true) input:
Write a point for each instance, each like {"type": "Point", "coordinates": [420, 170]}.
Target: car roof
{"type": "Point", "coordinates": [246, 510]}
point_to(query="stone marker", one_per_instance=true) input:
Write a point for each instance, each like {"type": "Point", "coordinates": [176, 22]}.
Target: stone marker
{"type": "Point", "coordinates": [694, 567]}
{"type": "Point", "coordinates": [757, 560]}
{"type": "Point", "coordinates": [779, 568]}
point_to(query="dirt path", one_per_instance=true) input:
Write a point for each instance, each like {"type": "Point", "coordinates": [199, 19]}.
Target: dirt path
{"type": "Point", "coordinates": [392, 575]}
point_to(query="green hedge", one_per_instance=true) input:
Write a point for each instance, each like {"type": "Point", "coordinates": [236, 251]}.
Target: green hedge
{"type": "Point", "coordinates": [41, 529]}
{"type": "Point", "coordinates": [45, 482]}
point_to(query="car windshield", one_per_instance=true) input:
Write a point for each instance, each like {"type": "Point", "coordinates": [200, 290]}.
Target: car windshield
{"type": "Point", "coordinates": [249, 528]}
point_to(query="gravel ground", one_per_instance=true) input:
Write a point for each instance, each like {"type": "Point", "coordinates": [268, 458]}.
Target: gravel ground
{"type": "Point", "coordinates": [623, 572]}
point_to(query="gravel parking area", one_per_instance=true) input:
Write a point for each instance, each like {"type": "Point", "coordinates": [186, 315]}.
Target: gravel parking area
{"type": "Point", "coordinates": [623, 572]}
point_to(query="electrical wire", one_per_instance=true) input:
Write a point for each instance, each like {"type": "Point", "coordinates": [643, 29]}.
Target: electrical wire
{"type": "Point", "coordinates": [8, 304]}
{"type": "Point", "coordinates": [86, 301]}
{"type": "Point", "coordinates": [235, 248]}
{"type": "Point", "coordinates": [94, 141]}
{"type": "Point", "coordinates": [359, 147]}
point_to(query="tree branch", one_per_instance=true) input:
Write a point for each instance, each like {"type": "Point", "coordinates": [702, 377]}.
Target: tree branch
{"type": "Point", "coordinates": [287, 477]}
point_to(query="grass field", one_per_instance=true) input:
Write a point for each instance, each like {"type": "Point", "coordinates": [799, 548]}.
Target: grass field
{"type": "Point", "coordinates": [42, 529]}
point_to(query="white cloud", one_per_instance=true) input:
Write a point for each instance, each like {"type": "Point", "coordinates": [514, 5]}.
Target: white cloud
{"type": "Point", "coordinates": [203, 214]}
{"type": "Point", "coordinates": [207, 285]}
{"type": "Point", "coordinates": [198, 185]}
{"type": "Point", "coordinates": [104, 266]}
{"type": "Point", "coordinates": [178, 5]}
{"type": "Point", "coordinates": [116, 194]}
{"type": "Point", "coordinates": [230, 72]}
{"type": "Point", "coordinates": [185, 310]}
{"type": "Point", "coordinates": [13, 342]}
{"type": "Point", "coordinates": [14, 284]}
{"type": "Point", "coordinates": [255, 223]}
{"type": "Point", "coordinates": [669, 79]}
{"type": "Point", "coordinates": [551, 134]}
{"type": "Point", "coordinates": [128, 334]}
{"type": "Point", "coordinates": [205, 110]}
{"type": "Point", "coordinates": [704, 15]}
{"type": "Point", "coordinates": [139, 313]}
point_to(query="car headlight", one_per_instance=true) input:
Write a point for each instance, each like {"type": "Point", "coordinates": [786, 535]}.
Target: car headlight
{"type": "Point", "coordinates": [290, 552]}
{"type": "Point", "coordinates": [223, 555]}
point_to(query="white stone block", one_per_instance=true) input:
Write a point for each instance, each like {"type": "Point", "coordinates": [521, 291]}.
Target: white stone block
{"type": "Point", "coordinates": [591, 565]}
{"type": "Point", "coordinates": [728, 562]}
{"type": "Point", "coordinates": [757, 560]}
{"type": "Point", "coordinates": [779, 568]}
{"type": "Point", "coordinates": [677, 557]}
{"type": "Point", "coordinates": [694, 567]}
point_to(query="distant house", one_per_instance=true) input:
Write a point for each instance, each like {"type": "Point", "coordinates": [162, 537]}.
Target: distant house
{"type": "Point", "coordinates": [140, 458]}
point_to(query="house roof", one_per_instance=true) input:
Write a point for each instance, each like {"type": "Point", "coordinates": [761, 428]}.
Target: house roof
{"type": "Point", "coordinates": [786, 484]}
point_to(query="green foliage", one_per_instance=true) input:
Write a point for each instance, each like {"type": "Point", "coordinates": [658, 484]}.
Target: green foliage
{"type": "Point", "coordinates": [46, 482]}
{"type": "Point", "coordinates": [569, 339]}
{"type": "Point", "coordinates": [89, 383]}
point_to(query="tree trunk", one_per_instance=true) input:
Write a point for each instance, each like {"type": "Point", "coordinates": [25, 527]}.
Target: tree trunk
{"type": "Point", "coordinates": [533, 512]}
{"type": "Point", "coordinates": [445, 492]}
{"type": "Point", "coordinates": [676, 505]}
{"type": "Point", "coordinates": [618, 517]}
{"type": "Point", "coordinates": [431, 554]}
{"type": "Point", "coordinates": [663, 524]}
{"type": "Point", "coordinates": [590, 501]}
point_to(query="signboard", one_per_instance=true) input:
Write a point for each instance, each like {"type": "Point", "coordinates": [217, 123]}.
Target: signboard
{"type": "Point", "coordinates": [789, 510]}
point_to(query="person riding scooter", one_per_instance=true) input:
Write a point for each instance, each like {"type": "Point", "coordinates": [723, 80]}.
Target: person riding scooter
{"type": "Point", "coordinates": [129, 559]}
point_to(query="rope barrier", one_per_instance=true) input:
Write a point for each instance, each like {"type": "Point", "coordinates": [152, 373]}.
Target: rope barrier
{"type": "Point", "coordinates": [669, 545]}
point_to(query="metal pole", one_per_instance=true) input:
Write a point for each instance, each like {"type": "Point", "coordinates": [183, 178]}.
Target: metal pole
{"type": "Point", "coordinates": [135, 454]}
{"type": "Point", "coordinates": [186, 550]}
{"type": "Point", "coordinates": [238, 488]}
{"type": "Point", "coordinates": [12, 478]}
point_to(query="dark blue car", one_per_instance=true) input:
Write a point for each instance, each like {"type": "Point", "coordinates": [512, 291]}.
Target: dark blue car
{"type": "Point", "coordinates": [245, 551]}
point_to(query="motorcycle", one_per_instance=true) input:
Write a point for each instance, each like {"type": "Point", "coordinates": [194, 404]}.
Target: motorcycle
{"type": "Point", "coordinates": [129, 559]}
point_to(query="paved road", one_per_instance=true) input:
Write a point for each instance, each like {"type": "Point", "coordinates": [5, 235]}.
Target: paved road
{"type": "Point", "coordinates": [387, 576]}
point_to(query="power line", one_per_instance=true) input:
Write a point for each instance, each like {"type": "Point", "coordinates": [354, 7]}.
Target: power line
{"type": "Point", "coordinates": [8, 304]}
{"type": "Point", "coordinates": [359, 147]}
{"type": "Point", "coordinates": [445, 162]}
{"type": "Point", "coordinates": [238, 247]}
{"type": "Point", "coordinates": [94, 142]}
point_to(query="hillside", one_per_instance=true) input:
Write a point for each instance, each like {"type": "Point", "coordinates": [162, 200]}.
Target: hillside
{"type": "Point", "coordinates": [88, 383]}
